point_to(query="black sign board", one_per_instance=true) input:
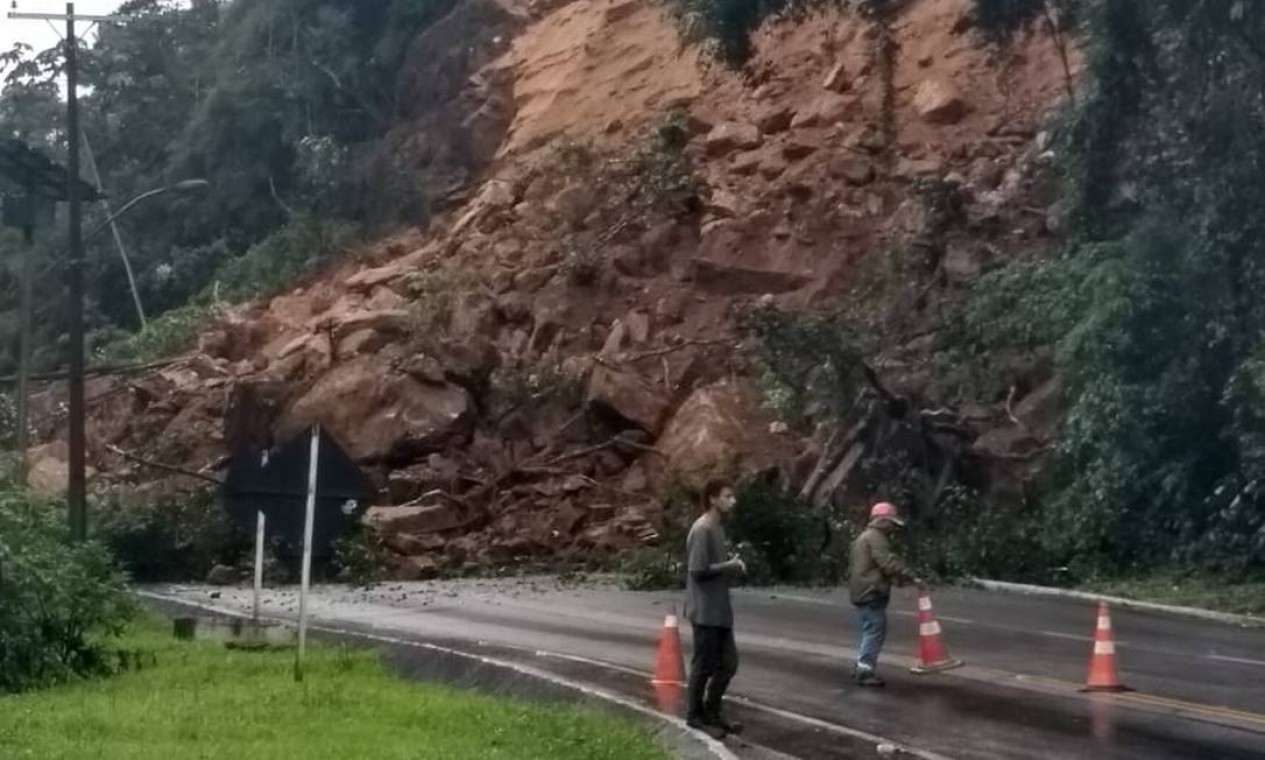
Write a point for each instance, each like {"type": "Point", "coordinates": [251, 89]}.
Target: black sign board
{"type": "Point", "coordinates": [275, 483]}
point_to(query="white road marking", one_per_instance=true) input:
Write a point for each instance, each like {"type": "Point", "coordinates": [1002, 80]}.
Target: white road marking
{"type": "Point", "coordinates": [1236, 660]}
{"type": "Point", "coordinates": [1068, 636]}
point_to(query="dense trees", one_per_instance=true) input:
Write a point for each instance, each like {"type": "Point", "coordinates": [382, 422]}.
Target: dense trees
{"type": "Point", "coordinates": [269, 100]}
{"type": "Point", "coordinates": [1154, 311]}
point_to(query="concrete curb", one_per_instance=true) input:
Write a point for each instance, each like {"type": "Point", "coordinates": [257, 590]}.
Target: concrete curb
{"type": "Point", "coordinates": [1244, 621]}
{"type": "Point", "coordinates": [454, 666]}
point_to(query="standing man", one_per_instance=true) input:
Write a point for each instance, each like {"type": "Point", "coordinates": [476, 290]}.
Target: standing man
{"type": "Point", "coordinates": [709, 573]}
{"type": "Point", "coordinates": [872, 569]}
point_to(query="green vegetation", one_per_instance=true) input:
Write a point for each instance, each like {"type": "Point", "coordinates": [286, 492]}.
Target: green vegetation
{"type": "Point", "coordinates": [1184, 590]}
{"type": "Point", "coordinates": [781, 538]}
{"type": "Point", "coordinates": [1153, 313]}
{"type": "Point", "coordinates": [784, 540]}
{"type": "Point", "coordinates": [202, 700]}
{"type": "Point", "coordinates": [813, 366]}
{"type": "Point", "coordinates": [282, 105]}
{"type": "Point", "coordinates": [724, 28]}
{"type": "Point", "coordinates": [664, 181]}
{"type": "Point", "coordinates": [166, 537]}
{"type": "Point", "coordinates": [57, 601]}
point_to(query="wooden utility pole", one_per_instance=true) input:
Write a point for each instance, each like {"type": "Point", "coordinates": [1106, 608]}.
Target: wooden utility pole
{"type": "Point", "coordinates": [24, 340]}
{"type": "Point", "coordinates": [77, 495]}
{"type": "Point", "coordinates": [77, 492]}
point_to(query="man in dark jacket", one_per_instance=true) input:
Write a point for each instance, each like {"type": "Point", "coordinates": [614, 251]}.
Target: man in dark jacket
{"type": "Point", "coordinates": [873, 568]}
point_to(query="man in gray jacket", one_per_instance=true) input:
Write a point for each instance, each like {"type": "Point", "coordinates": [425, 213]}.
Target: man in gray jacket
{"type": "Point", "coordinates": [872, 569]}
{"type": "Point", "coordinates": [709, 573]}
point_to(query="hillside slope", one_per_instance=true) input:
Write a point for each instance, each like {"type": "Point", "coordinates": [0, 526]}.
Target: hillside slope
{"type": "Point", "coordinates": [522, 377]}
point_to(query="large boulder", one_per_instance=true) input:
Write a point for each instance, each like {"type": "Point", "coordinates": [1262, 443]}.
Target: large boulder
{"type": "Point", "coordinates": [415, 521]}
{"type": "Point", "coordinates": [856, 170]}
{"type": "Point", "coordinates": [826, 110]}
{"type": "Point", "coordinates": [627, 396]}
{"type": "Point", "coordinates": [837, 80]}
{"type": "Point", "coordinates": [773, 119]}
{"type": "Point", "coordinates": [715, 432]}
{"type": "Point", "coordinates": [730, 136]}
{"type": "Point", "coordinates": [368, 279]}
{"type": "Point", "coordinates": [392, 322]}
{"type": "Point", "coordinates": [380, 414]}
{"type": "Point", "coordinates": [47, 472]}
{"type": "Point", "coordinates": [938, 102]}
{"type": "Point", "coordinates": [726, 279]}
{"type": "Point", "coordinates": [233, 337]}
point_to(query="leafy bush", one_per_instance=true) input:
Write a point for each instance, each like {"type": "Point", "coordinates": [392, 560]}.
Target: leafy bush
{"type": "Point", "coordinates": [972, 537]}
{"type": "Point", "coordinates": [724, 27]}
{"type": "Point", "coordinates": [582, 264]}
{"type": "Point", "coordinates": [171, 537]}
{"type": "Point", "coordinates": [662, 566]}
{"type": "Point", "coordinates": [811, 364]}
{"type": "Point", "coordinates": [169, 334]}
{"type": "Point", "coordinates": [999, 18]}
{"type": "Point", "coordinates": [359, 558]}
{"type": "Point", "coordinates": [656, 569]}
{"type": "Point", "coordinates": [279, 259]}
{"type": "Point", "coordinates": [265, 268]}
{"type": "Point", "coordinates": [58, 599]}
{"type": "Point", "coordinates": [8, 420]}
{"type": "Point", "coordinates": [783, 539]}
{"type": "Point", "coordinates": [663, 175]}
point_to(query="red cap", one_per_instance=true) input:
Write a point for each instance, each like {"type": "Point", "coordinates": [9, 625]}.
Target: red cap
{"type": "Point", "coordinates": [887, 511]}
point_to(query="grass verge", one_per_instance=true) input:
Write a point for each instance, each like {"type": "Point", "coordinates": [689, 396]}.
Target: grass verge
{"type": "Point", "coordinates": [201, 700]}
{"type": "Point", "coordinates": [1246, 598]}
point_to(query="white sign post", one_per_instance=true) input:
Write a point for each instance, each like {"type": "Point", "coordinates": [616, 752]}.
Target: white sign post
{"type": "Point", "coordinates": [308, 519]}
{"type": "Point", "coordinates": [260, 522]}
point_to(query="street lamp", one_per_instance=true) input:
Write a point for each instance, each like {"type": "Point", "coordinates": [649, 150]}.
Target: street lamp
{"type": "Point", "coordinates": [185, 186]}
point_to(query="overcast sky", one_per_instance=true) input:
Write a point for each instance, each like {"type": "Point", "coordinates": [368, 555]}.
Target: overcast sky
{"type": "Point", "coordinates": [38, 34]}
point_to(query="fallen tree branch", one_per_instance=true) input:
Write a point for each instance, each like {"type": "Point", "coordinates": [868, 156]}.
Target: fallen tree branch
{"type": "Point", "coordinates": [117, 369]}
{"type": "Point", "coordinates": [679, 347]}
{"type": "Point", "coordinates": [617, 441]}
{"type": "Point", "coordinates": [897, 406]}
{"type": "Point", "coordinates": [164, 467]}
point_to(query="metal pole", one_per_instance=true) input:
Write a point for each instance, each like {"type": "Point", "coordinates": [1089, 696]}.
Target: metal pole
{"type": "Point", "coordinates": [306, 579]}
{"type": "Point", "coordinates": [260, 522]}
{"type": "Point", "coordinates": [118, 238]}
{"type": "Point", "coordinates": [76, 496]}
{"type": "Point", "coordinates": [24, 340]}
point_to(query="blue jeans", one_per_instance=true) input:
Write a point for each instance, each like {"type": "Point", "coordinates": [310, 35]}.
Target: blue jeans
{"type": "Point", "coordinates": [873, 632]}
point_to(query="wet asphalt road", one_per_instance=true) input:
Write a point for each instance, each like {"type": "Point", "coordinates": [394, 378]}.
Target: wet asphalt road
{"type": "Point", "coordinates": [1200, 686]}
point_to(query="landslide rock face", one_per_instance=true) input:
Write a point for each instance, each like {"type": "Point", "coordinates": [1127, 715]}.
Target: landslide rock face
{"type": "Point", "coordinates": [379, 414]}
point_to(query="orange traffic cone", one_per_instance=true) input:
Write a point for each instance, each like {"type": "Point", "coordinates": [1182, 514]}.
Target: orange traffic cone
{"type": "Point", "coordinates": [1102, 664]}
{"type": "Point", "coordinates": [932, 655]}
{"type": "Point", "coordinates": [669, 666]}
